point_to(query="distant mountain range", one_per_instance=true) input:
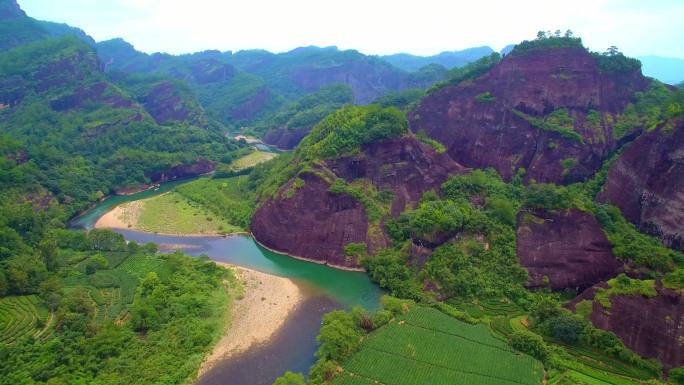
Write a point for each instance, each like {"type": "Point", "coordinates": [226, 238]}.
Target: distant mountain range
{"type": "Point", "coordinates": [448, 59]}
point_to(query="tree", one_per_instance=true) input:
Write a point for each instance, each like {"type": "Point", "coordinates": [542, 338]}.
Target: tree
{"type": "Point", "coordinates": [566, 327]}
{"type": "Point", "coordinates": [4, 286]}
{"type": "Point", "coordinates": [339, 336]}
{"type": "Point", "coordinates": [612, 51]}
{"type": "Point", "coordinates": [51, 292]}
{"type": "Point", "coordinates": [47, 248]}
{"type": "Point", "coordinates": [290, 378]}
{"type": "Point", "coordinates": [541, 35]}
{"type": "Point", "coordinates": [95, 263]}
{"type": "Point", "coordinates": [569, 34]}
{"type": "Point", "coordinates": [530, 343]}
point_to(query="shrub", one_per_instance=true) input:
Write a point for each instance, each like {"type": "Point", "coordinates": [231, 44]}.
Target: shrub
{"type": "Point", "coordinates": [676, 375]}
{"type": "Point", "coordinates": [339, 336]}
{"type": "Point", "coordinates": [485, 97]}
{"type": "Point", "coordinates": [565, 327]}
{"type": "Point", "coordinates": [530, 343]}
{"type": "Point", "coordinates": [290, 378]}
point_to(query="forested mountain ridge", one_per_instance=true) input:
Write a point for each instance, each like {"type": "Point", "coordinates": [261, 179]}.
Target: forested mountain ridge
{"type": "Point", "coordinates": [64, 111]}
{"type": "Point", "coordinates": [448, 59]}
{"type": "Point", "coordinates": [247, 88]}
{"type": "Point", "coordinates": [16, 28]}
{"type": "Point", "coordinates": [410, 202]}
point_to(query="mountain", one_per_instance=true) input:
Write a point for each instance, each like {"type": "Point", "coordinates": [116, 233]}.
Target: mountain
{"type": "Point", "coordinates": [551, 114]}
{"type": "Point", "coordinates": [16, 28]}
{"type": "Point", "coordinates": [667, 70]}
{"type": "Point", "coordinates": [88, 136]}
{"type": "Point", "coordinates": [241, 89]}
{"type": "Point", "coordinates": [448, 59]}
{"type": "Point", "coordinates": [490, 189]}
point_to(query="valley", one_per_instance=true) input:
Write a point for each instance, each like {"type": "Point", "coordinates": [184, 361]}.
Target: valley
{"type": "Point", "coordinates": [324, 216]}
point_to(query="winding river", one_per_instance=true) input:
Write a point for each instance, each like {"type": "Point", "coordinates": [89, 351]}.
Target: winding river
{"type": "Point", "coordinates": [293, 347]}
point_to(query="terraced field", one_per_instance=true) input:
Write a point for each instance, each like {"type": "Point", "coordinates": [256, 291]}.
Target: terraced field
{"type": "Point", "coordinates": [588, 366]}
{"type": "Point", "coordinates": [428, 347]}
{"type": "Point", "coordinates": [22, 316]}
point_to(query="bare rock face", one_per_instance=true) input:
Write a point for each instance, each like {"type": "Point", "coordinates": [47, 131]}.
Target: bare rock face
{"type": "Point", "coordinates": [252, 106]}
{"type": "Point", "coordinates": [647, 183]}
{"type": "Point", "coordinates": [212, 70]}
{"type": "Point", "coordinates": [490, 121]}
{"type": "Point", "coordinates": [99, 92]}
{"type": "Point", "coordinates": [166, 103]}
{"type": "Point", "coordinates": [652, 327]}
{"type": "Point", "coordinates": [316, 224]}
{"type": "Point", "coordinates": [368, 80]}
{"type": "Point", "coordinates": [286, 138]}
{"type": "Point", "coordinates": [564, 250]}
{"type": "Point", "coordinates": [313, 224]}
{"type": "Point", "coordinates": [199, 167]}
{"type": "Point", "coordinates": [9, 9]}
{"type": "Point", "coordinates": [407, 167]}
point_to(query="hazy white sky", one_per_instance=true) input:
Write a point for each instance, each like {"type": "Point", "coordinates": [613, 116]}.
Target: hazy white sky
{"type": "Point", "coordinates": [423, 27]}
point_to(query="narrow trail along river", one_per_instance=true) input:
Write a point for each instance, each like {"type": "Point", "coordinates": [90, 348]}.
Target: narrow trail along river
{"type": "Point", "coordinates": [293, 346]}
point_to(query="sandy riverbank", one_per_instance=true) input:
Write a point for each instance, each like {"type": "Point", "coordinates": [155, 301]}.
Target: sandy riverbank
{"type": "Point", "coordinates": [257, 316]}
{"type": "Point", "coordinates": [124, 216]}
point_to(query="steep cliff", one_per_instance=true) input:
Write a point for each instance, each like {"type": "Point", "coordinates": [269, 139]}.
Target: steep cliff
{"type": "Point", "coordinates": [650, 324]}
{"type": "Point", "coordinates": [550, 111]}
{"type": "Point", "coordinates": [564, 250]}
{"type": "Point", "coordinates": [647, 183]}
{"type": "Point", "coordinates": [316, 222]}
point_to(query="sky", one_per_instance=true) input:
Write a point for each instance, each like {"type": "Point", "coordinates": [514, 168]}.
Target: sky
{"type": "Point", "coordinates": [422, 27]}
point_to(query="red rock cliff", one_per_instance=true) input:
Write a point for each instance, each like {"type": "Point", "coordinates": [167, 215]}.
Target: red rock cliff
{"type": "Point", "coordinates": [647, 183]}
{"type": "Point", "coordinates": [564, 250]}
{"type": "Point", "coordinates": [652, 327]}
{"type": "Point", "coordinates": [316, 224]}
{"type": "Point", "coordinates": [486, 122]}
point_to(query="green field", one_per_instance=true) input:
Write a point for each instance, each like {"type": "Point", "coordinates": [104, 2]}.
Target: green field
{"type": "Point", "coordinates": [426, 346]}
{"type": "Point", "coordinates": [251, 160]}
{"type": "Point", "coordinates": [227, 198]}
{"type": "Point", "coordinates": [172, 213]}
{"type": "Point", "coordinates": [21, 316]}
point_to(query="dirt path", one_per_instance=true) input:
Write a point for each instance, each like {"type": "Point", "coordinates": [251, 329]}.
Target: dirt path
{"type": "Point", "coordinates": [257, 316]}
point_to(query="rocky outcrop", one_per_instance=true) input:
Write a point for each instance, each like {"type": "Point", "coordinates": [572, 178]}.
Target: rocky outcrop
{"type": "Point", "coordinates": [564, 250]}
{"type": "Point", "coordinates": [99, 92]}
{"type": "Point", "coordinates": [286, 138]}
{"type": "Point", "coordinates": [9, 9]}
{"type": "Point", "coordinates": [404, 166]}
{"type": "Point", "coordinates": [211, 71]}
{"type": "Point", "coordinates": [252, 106]}
{"type": "Point", "coordinates": [167, 103]}
{"type": "Point", "coordinates": [503, 118]}
{"type": "Point", "coordinates": [313, 223]}
{"type": "Point", "coordinates": [651, 326]}
{"type": "Point", "coordinates": [647, 183]}
{"type": "Point", "coordinates": [199, 167]}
